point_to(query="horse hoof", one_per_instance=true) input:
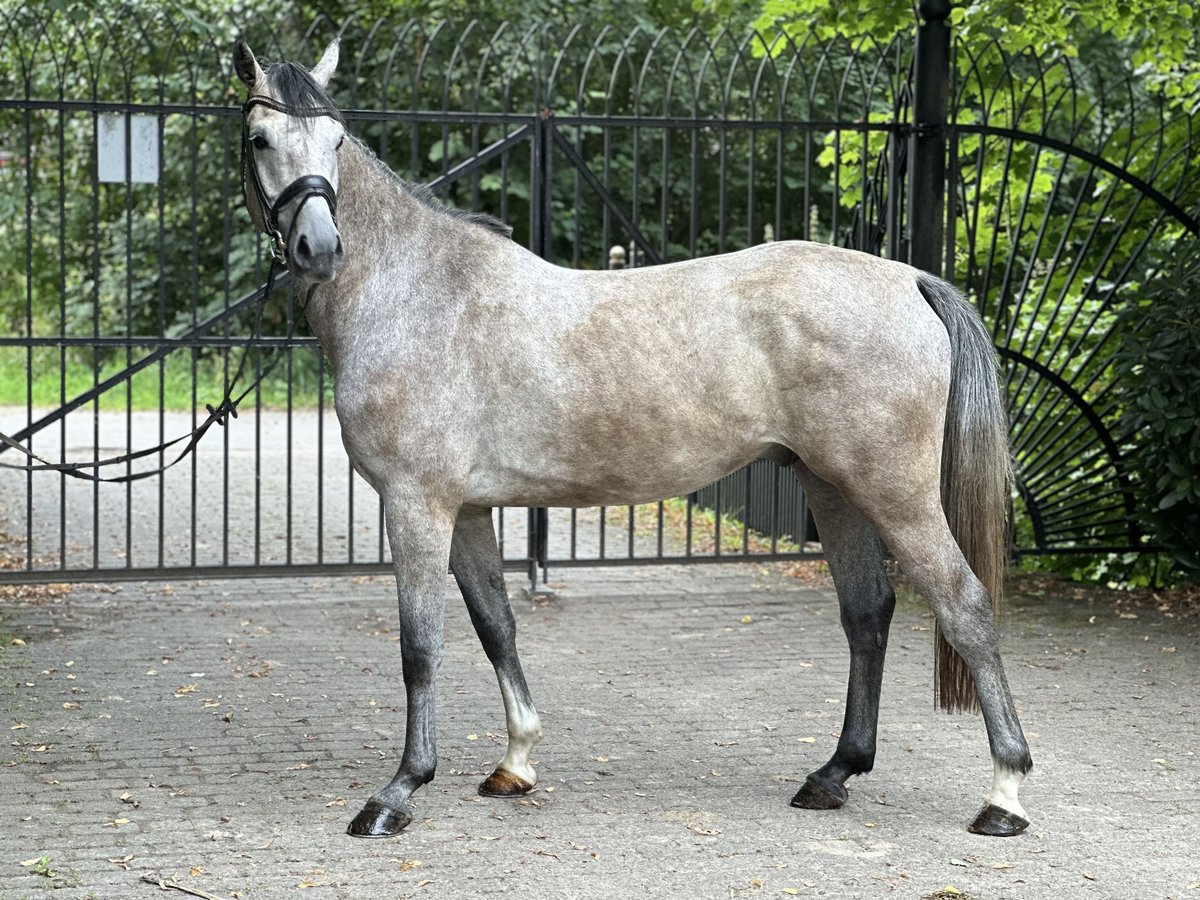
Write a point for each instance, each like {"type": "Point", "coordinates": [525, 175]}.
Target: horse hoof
{"type": "Point", "coordinates": [820, 795]}
{"type": "Point", "coordinates": [377, 820]}
{"type": "Point", "coordinates": [502, 783]}
{"type": "Point", "coordinates": [996, 822]}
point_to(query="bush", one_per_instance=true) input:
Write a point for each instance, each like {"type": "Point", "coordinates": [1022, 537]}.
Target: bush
{"type": "Point", "coordinates": [1159, 375]}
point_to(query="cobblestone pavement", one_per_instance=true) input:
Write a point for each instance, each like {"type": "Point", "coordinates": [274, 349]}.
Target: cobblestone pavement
{"type": "Point", "coordinates": [219, 736]}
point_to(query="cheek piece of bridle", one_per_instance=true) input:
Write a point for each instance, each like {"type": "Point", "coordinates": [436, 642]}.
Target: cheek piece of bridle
{"type": "Point", "coordinates": [305, 187]}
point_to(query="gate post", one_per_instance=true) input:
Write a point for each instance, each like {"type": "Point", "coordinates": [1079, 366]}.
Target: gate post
{"type": "Point", "coordinates": [541, 234]}
{"type": "Point", "coordinates": [927, 143]}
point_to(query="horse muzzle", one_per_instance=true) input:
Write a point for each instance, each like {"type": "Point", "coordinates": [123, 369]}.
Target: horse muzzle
{"type": "Point", "coordinates": [315, 254]}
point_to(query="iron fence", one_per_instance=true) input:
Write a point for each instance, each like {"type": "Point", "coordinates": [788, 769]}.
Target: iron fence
{"type": "Point", "coordinates": [133, 269]}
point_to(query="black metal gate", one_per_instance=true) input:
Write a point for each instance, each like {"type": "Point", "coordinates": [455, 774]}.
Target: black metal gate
{"type": "Point", "coordinates": [140, 267]}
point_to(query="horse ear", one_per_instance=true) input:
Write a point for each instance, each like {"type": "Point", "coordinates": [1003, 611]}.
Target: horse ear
{"type": "Point", "coordinates": [246, 66]}
{"type": "Point", "coordinates": [323, 70]}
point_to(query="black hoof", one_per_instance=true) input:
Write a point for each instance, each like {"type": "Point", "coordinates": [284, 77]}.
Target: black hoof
{"type": "Point", "coordinates": [377, 820]}
{"type": "Point", "coordinates": [996, 822]}
{"type": "Point", "coordinates": [820, 795]}
{"type": "Point", "coordinates": [504, 784]}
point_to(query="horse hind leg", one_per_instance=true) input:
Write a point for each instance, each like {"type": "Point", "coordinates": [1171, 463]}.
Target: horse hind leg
{"type": "Point", "coordinates": [856, 562]}
{"type": "Point", "coordinates": [475, 562]}
{"type": "Point", "coordinates": [921, 542]}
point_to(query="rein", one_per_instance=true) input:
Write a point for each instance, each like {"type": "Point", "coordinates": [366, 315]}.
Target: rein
{"type": "Point", "coordinates": [305, 188]}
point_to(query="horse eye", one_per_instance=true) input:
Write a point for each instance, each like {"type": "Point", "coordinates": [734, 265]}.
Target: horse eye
{"type": "Point", "coordinates": [341, 141]}
{"type": "Point", "coordinates": [259, 142]}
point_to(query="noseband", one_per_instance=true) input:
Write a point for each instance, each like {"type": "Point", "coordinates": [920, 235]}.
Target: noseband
{"type": "Point", "coordinates": [305, 187]}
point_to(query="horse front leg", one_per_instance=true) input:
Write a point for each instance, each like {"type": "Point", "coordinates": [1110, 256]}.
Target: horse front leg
{"type": "Point", "coordinates": [420, 542]}
{"type": "Point", "coordinates": [856, 561]}
{"type": "Point", "coordinates": [475, 562]}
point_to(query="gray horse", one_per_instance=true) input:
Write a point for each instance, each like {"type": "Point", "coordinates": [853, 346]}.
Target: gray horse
{"type": "Point", "coordinates": [471, 374]}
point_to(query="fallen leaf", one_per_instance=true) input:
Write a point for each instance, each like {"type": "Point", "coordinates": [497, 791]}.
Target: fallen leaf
{"type": "Point", "coordinates": [1001, 865]}
{"type": "Point", "coordinates": [807, 740]}
{"type": "Point", "coordinates": [959, 862]}
{"type": "Point", "coordinates": [472, 737]}
{"type": "Point", "coordinates": [122, 861]}
{"type": "Point", "coordinates": [70, 706]}
{"type": "Point", "coordinates": [307, 883]}
{"type": "Point", "coordinates": [407, 864]}
{"type": "Point", "coordinates": [195, 871]}
{"type": "Point", "coordinates": [746, 620]}
{"type": "Point", "coordinates": [1088, 875]}
{"type": "Point", "coordinates": [424, 881]}
{"type": "Point", "coordinates": [18, 726]}
{"type": "Point", "coordinates": [707, 832]}
{"type": "Point", "coordinates": [791, 891]}
{"type": "Point", "coordinates": [601, 758]}
{"type": "Point", "coordinates": [340, 801]}
{"type": "Point", "coordinates": [16, 642]}
{"type": "Point", "coordinates": [756, 882]}
{"type": "Point", "coordinates": [115, 823]}
{"type": "Point", "coordinates": [299, 766]}
{"type": "Point", "coordinates": [186, 689]}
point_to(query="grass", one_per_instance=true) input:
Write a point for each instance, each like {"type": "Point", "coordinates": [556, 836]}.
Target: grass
{"type": "Point", "coordinates": [183, 380]}
{"type": "Point", "coordinates": [734, 536]}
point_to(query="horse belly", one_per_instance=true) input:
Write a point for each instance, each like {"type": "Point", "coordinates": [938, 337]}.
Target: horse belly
{"type": "Point", "coordinates": [616, 453]}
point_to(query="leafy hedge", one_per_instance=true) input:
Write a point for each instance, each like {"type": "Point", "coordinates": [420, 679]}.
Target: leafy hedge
{"type": "Point", "coordinates": [1159, 358]}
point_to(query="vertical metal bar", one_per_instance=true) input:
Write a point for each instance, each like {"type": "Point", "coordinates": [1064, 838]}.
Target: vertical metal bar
{"type": "Point", "coordinates": [927, 148]}
{"type": "Point", "coordinates": [746, 513]}
{"type": "Point", "coordinates": [321, 456]}
{"type": "Point", "coordinates": [661, 507]}
{"type": "Point", "coordinates": [541, 237]}
{"type": "Point", "coordinates": [226, 240]}
{"type": "Point", "coordinates": [128, 331]}
{"type": "Point", "coordinates": [95, 350]}
{"type": "Point", "coordinates": [717, 519]}
{"type": "Point", "coordinates": [29, 191]}
{"type": "Point", "coordinates": [288, 441]}
{"type": "Point", "coordinates": [62, 328]}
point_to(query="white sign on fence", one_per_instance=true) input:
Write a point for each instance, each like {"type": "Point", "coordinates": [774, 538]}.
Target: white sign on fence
{"type": "Point", "coordinates": [143, 148]}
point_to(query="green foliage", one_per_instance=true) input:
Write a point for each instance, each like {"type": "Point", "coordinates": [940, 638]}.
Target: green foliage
{"type": "Point", "coordinates": [1159, 362]}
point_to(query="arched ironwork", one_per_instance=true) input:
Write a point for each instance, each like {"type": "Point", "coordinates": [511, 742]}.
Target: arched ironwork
{"type": "Point", "coordinates": [673, 144]}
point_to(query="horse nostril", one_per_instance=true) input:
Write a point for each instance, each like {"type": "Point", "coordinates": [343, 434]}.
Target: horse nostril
{"type": "Point", "coordinates": [337, 251]}
{"type": "Point", "coordinates": [302, 248]}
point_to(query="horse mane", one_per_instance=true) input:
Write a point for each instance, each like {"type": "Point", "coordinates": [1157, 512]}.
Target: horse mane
{"type": "Point", "coordinates": [425, 196]}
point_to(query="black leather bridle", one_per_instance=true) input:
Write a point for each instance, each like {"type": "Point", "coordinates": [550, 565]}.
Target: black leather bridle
{"type": "Point", "coordinates": [305, 187]}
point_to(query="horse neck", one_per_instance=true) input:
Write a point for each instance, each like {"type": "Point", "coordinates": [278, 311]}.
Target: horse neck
{"type": "Point", "coordinates": [383, 227]}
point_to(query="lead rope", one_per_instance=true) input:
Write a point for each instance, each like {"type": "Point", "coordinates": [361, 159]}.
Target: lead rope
{"type": "Point", "coordinates": [306, 187]}
{"type": "Point", "coordinates": [219, 414]}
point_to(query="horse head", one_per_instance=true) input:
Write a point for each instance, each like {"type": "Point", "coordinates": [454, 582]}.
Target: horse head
{"type": "Point", "coordinates": [291, 136]}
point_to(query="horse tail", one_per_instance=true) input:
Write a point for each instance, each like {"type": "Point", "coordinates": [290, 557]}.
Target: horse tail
{"type": "Point", "coordinates": [976, 471]}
